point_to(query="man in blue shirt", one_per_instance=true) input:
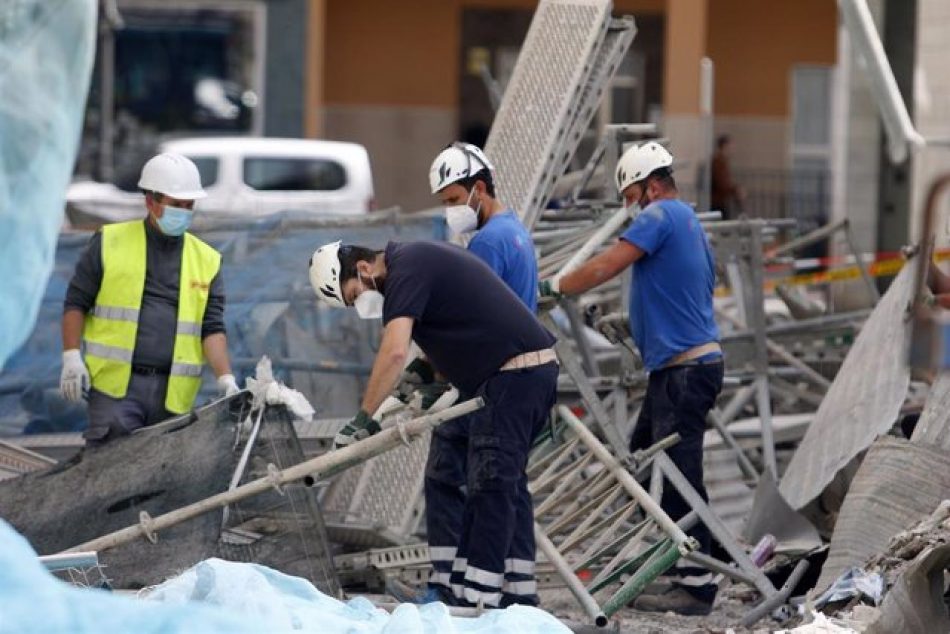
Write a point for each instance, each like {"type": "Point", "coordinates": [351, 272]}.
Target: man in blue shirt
{"type": "Point", "coordinates": [462, 177]}
{"type": "Point", "coordinates": [671, 318]}
{"type": "Point", "coordinates": [485, 341]}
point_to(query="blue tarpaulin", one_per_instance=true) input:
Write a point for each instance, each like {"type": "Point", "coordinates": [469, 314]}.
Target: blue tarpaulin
{"type": "Point", "coordinates": [271, 310]}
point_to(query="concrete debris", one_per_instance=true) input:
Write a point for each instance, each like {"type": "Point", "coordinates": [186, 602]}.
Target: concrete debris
{"type": "Point", "coordinates": [898, 483]}
{"type": "Point", "coordinates": [862, 403]}
{"type": "Point", "coordinates": [912, 568]}
{"type": "Point", "coordinates": [820, 625]}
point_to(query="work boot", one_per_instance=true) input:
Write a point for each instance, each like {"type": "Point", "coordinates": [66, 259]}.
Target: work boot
{"type": "Point", "coordinates": [676, 600]}
{"type": "Point", "coordinates": [404, 593]}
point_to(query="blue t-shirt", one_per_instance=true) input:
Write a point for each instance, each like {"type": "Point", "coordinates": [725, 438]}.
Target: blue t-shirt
{"type": "Point", "coordinates": [671, 303]}
{"type": "Point", "coordinates": [505, 245]}
{"type": "Point", "coordinates": [466, 320]}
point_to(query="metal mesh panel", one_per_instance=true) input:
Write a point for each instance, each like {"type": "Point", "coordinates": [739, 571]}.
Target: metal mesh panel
{"type": "Point", "coordinates": [281, 529]}
{"type": "Point", "coordinates": [378, 503]}
{"type": "Point", "coordinates": [542, 99]}
{"type": "Point", "coordinates": [609, 55]}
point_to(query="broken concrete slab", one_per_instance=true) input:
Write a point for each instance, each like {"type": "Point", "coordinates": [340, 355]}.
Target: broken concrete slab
{"type": "Point", "coordinates": [898, 483]}
{"type": "Point", "coordinates": [863, 402]}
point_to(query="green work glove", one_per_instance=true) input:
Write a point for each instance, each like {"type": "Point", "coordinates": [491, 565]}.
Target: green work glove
{"type": "Point", "coordinates": [362, 426]}
{"type": "Point", "coordinates": [416, 374]}
{"type": "Point", "coordinates": [550, 288]}
{"type": "Point", "coordinates": [431, 392]}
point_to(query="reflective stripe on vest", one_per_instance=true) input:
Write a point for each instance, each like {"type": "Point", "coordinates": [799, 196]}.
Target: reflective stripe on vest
{"type": "Point", "coordinates": [112, 324]}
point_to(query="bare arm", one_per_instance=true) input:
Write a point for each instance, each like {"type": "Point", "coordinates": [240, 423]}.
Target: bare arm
{"type": "Point", "coordinates": [216, 352]}
{"type": "Point", "coordinates": [600, 268]}
{"type": "Point", "coordinates": [73, 322]}
{"type": "Point", "coordinates": [393, 351]}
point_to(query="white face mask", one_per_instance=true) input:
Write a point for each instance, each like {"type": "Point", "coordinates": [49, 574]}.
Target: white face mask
{"type": "Point", "coordinates": [369, 305]}
{"type": "Point", "coordinates": [462, 219]}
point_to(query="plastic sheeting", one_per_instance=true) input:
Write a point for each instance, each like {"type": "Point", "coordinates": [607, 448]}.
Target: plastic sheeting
{"type": "Point", "coordinates": [32, 601]}
{"type": "Point", "coordinates": [46, 56]}
{"type": "Point", "coordinates": [322, 352]}
{"type": "Point", "coordinates": [287, 603]}
{"type": "Point", "coordinates": [221, 596]}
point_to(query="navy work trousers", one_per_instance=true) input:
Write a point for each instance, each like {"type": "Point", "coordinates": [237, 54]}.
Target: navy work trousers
{"type": "Point", "coordinates": [489, 524]}
{"type": "Point", "coordinates": [677, 401]}
{"type": "Point", "coordinates": [143, 404]}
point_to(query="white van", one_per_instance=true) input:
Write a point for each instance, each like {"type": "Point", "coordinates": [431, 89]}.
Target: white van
{"type": "Point", "coordinates": [246, 176]}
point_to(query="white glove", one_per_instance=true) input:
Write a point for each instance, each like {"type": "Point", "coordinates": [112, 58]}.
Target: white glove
{"type": "Point", "coordinates": [74, 381]}
{"type": "Point", "coordinates": [228, 385]}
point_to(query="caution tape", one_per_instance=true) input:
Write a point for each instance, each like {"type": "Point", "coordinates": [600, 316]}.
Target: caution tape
{"type": "Point", "coordinates": [884, 265]}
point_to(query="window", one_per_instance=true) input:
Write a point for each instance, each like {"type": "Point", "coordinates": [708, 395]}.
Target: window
{"type": "Point", "coordinates": [294, 174]}
{"type": "Point", "coordinates": [207, 169]}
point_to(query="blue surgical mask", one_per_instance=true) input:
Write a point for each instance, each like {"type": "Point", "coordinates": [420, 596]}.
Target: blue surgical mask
{"type": "Point", "coordinates": [175, 220]}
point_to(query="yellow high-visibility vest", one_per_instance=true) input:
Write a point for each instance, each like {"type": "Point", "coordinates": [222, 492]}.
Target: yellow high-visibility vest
{"type": "Point", "coordinates": [112, 324]}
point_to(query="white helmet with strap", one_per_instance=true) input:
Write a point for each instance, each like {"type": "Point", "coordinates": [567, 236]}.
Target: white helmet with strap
{"type": "Point", "coordinates": [639, 162]}
{"type": "Point", "coordinates": [325, 274]}
{"type": "Point", "coordinates": [173, 175]}
{"type": "Point", "coordinates": [456, 162]}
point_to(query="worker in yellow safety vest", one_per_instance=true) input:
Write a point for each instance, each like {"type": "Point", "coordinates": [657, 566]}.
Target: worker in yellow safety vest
{"type": "Point", "coordinates": [147, 304]}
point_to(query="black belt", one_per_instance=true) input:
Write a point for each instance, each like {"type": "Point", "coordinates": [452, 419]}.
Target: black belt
{"type": "Point", "coordinates": [149, 371]}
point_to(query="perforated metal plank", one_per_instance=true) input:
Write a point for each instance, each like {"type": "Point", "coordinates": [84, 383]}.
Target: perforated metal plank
{"type": "Point", "coordinates": [612, 49]}
{"type": "Point", "coordinates": [862, 402]}
{"type": "Point", "coordinates": [383, 493]}
{"type": "Point", "coordinates": [542, 99]}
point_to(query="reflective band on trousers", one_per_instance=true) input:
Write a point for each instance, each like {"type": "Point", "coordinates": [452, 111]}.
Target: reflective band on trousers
{"type": "Point", "coordinates": [484, 577]}
{"type": "Point", "coordinates": [520, 566]}
{"type": "Point", "coordinates": [116, 312]}
{"type": "Point", "coordinates": [109, 352]}
{"type": "Point", "coordinates": [492, 599]}
{"type": "Point", "coordinates": [523, 588]}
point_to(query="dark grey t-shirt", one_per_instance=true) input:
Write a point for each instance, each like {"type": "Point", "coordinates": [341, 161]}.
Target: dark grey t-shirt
{"type": "Point", "coordinates": [467, 320]}
{"type": "Point", "coordinates": [155, 339]}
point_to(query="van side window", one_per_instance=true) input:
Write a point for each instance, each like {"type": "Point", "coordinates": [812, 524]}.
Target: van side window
{"type": "Point", "coordinates": [207, 169]}
{"type": "Point", "coordinates": [293, 174]}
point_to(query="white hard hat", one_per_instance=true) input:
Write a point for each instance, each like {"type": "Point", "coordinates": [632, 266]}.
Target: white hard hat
{"type": "Point", "coordinates": [173, 175]}
{"type": "Point", "coordinates": [639, 162]}
{"type": "Point", "coordinates": [325, 274]}
{"type": "Point", "coordinates": [456, 162]}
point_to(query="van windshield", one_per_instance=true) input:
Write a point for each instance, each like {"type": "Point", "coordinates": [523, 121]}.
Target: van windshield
{"type": "Point", "coordinates": [293, 174]}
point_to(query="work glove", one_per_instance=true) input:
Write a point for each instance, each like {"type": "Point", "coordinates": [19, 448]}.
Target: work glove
{"type": "Point", "coordinates": [416, 374]}
{"type": "Point", "coordinates": [228, 385]}
{"type": "Point", "coordinates": [550, 287]}
{"type": "Point", "coordinates": [430, 393]}
{"type": "Point", "coordinates": [362, 426]}
{"type": "Point", "coordinates": [74, 381]}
